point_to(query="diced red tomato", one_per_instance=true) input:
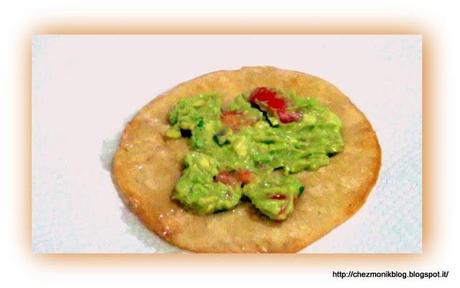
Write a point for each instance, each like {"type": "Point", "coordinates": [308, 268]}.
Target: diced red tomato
{"type": "Point", "coordinates": [277, 104]}
{"type": "Point", "coordinates": [227, 178]}
{"type": "Point", "coordinates": [244, 176]}
{"type": "Point", "coordinates": [288, 117]}
{"type": "Point", "coordinates": [235, 119]}
{"type": "Point", "coordinates": [234, 178]}
{"type": "Point", "coordinates": [262, 94]}
{"type": "Point", "coordinates": [278, 197]}
{"type": "Point", "coordinates": [269, 99]}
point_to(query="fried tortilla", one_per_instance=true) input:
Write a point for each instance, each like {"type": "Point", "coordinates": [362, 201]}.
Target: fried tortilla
{"type": "Point", "coordinates": [148, 164]}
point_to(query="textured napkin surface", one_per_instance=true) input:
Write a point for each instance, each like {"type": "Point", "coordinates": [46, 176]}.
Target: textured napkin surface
{"type": "Point", "coordinates": [84, 89]}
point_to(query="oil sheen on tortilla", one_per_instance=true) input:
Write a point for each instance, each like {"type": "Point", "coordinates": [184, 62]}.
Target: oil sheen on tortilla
{"type": "Point", "coordinates": [147, 166]}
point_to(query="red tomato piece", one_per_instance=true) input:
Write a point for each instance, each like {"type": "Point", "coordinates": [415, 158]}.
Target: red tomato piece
{"type": "Point", "coordinates": [226, 178]}
{"type": "Point", "coordinates": [262, 94]}
{"type": "Point", "coordinates": [234, 178]}
{"type": "Point", "coordinates": [245, 176]}
{"type": "Point", "coordinates": [288, 117]}
{"type": "Point", "coordinates": [235, 119]}
{"type": "Point", "coordinates": [270, 99]}
{"type": "Point", "coordinates": [278, 197]}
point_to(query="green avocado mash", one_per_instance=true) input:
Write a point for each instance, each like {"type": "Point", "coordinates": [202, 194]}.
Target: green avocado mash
{"type": "Point", "coordinates": [241, 136]}
{"type": "Point", "coordinates": [197, 189]}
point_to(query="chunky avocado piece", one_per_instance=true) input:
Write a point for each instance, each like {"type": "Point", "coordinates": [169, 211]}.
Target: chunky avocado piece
{"type": "Point", "coordinates": [197, 190]}
{"type": "Point", "coordinates": [274, 194]}
{"type": "Point", "coordinates": [301, 135]}
{"type": "Point", "coordinates": [199, 114]}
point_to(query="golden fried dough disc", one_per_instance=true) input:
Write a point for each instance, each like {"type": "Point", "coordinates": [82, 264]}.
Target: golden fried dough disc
{"type": "Point", "coordinates": [147, 166]}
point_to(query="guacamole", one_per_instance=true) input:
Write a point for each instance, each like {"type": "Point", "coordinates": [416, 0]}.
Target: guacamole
{"type": "Point", "coordinates": [251, 147]}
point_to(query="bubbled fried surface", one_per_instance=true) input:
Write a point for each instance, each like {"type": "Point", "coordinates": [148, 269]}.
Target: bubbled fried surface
{"type": "Point", "coordinates": [147, 166]}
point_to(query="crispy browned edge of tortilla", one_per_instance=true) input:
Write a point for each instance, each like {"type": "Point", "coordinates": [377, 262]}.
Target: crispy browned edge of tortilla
{"type": "Point", "coordinates": [130, 200]}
